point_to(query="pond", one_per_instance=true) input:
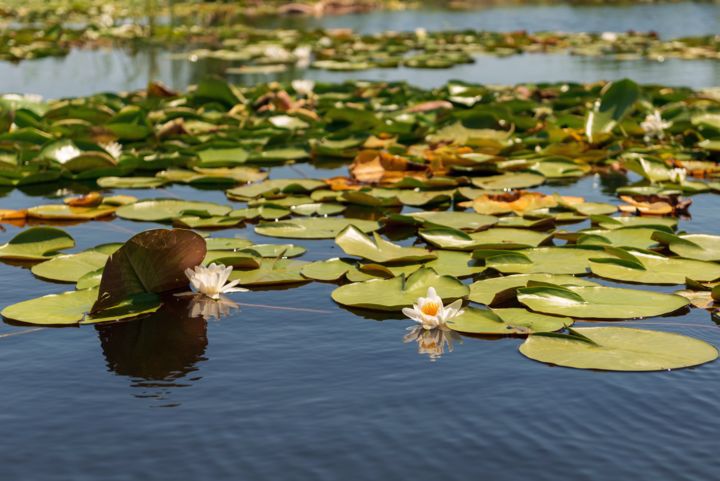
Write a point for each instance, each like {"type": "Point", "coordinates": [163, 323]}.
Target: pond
{"type": "Point", "coordinates": [294, 387]}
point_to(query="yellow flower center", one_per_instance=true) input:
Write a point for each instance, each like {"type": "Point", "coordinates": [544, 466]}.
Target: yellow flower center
{"type": "Point", "coordinates": [430, 308]}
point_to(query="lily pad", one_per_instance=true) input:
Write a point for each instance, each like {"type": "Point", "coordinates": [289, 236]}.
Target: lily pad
{"type": "Point", "coordinates": [549, 260]}
{"type": "Point", "coordinates": [702, 247]}
{"type": "Point", "coordinates": [398, 292]}
{"type": "Point", "coordinates": [647, 267]}
{"type": "Point", "coordinates": [499, 289]}
{"type": "Point", "coordinates": [72, 267]}
{"type": "Point", "coordinates": [599, 302]}
{"type": "Point", "coordinates": [271, 273]}
{"type": "Point", "coordinates": [501, 322]}
{"type": "Point", "coordinates": [618, 349]}
{"type": "Point", "coordinates": [163, 210]}
{"type": "Point", "coordinates": [493, 238]}
{"type": "Point", "coordinates": [66, 212]}
{"type": "Point", "coordinates": [355, 243]}
{"type": "Point", "coordinates": [36, 243]}
{"type": "Point", "coordinates": [313, 227]}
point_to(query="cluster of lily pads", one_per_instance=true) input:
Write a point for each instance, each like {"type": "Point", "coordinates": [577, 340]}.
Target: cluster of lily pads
{"type": "Point", "coordinates": [264, 50]}
{"type": "Point", "coordinates": [437, 195]}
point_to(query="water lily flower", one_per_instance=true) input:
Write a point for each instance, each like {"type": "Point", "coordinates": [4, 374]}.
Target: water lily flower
{"type": "Point", "coordinates": [66, 153]}
{"type": "Point", "coordinates": [211, 281]}
{"type": "Point", "coordinates": [677, 175]}
{"type": "Point", "coordinates": [432, 342]}
{"type": "Point", "coordinates": [429, 311]}
{"type": "Point", "coordinates": [302, 54]}
{"type": "Point", "coordinates": [654, 126]}
{"type": "Point", "coordinates": [114, 149]}
{"type": "Point", "coordinates": [609, 36]}
{"type": "Point", "coordinates": [303, 87]}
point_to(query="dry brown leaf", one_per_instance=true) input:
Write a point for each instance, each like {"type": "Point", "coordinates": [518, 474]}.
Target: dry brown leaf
{"type": "Point", "coordinates": [371, 166]}
{"type": "Point", "coordinates": [91, 199]}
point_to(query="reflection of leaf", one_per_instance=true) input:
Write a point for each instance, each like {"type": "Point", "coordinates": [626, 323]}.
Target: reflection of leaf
{"type": "Point", "coordinates": [165, 346]}
{"type": "Point", "coordinates": [153, 261]}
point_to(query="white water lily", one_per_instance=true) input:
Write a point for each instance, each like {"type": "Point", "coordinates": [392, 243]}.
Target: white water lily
{"type": "Point", "coordinates": [66, 153]}
{"type": "Point", "coordinates": [114, 149]}
{"type": "Point", "coordinates": [677, 175]}
{"type": "Point", "coordinates": [429, 311]}
{"type": "Point", "coordinates": [303, 87]}
{"type": "Point", "coordinates": [654, 126]}
{"type": "Point", "coordinates": [609, 36]}
{"type": "Point", "coordinates": [432, 342]}
{"type": "Point", "coordinates": [211, 280]}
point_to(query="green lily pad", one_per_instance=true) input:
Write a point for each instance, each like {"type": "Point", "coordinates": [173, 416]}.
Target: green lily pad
{"type": "Point", "coordinates": [493, 238]}
{"type": "Point", "coordinates": [467, 221]}
{"type": "Point", "coordinates": [616, 100]}
{"type": "Point", "coordinates": [499, 289]}
{"type": "Point", "coordinates": [72, 307]}
{"type": "Point", "coordinates": [66, 212]}
{"type": "Point", "coordinates": [72, 267]}
{"type": "Point", "coordinates": [398, 292]}
{"type": "Point", "coordinates": [618, 349]}
{"type": "Point", "coordinates": [702, 247]}
{"type": "Point", "coordinates": [275, 186]}
{"type": "Point", "coordinates": [637, 237]}
{"type": "Point", "coordinates": [650, 268]}
{"type": "Point", "coordinates": [509, 180]}
{"type": "Point", "coordinates": [313, 227]}
{"type": "Point", "coordinates": [548, 260]}
{"type": "Point", "coordinates": [599, 302]}
{"type": "Point", "coordinates": [355, 243]}
{"type": "Point", "coordinates": [163, 210]}
{"type": "Point", "coordinates": [271, 273]}
{"type": "Point", "coordinates": [500, 322]}
{"type": "Point", "coordinates": [36, 244]}
{"type": "Point", "coordinates": [130, 182]}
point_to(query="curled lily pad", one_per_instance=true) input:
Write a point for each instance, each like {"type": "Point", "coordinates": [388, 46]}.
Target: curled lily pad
{"type": "Point", "coordinates": [499, 322]}
{"type": "Point", "coordinates": [599, 302]}
{"type": "Point", "coordinates": [313, 228]}
{"type": "Point", "coordinates": [398, 292]}
{"type": "Point", "coordinates": [355, 243]}
{"type": "Point", "coordinates": [152, 262]}
{"type": "Point", "coordinates": [72, 267]}
{"type": "Point", "coordinates": [163, 210]}
{"type": "Point", "coordinates": [618, 349]}
{"type": "Point", "coordinates": [36, 243]}
{"type": "Point", "coordinates": [499, 289]}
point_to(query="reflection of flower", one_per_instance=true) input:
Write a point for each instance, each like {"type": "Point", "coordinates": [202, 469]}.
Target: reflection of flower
{"type": "Point", "coordinates": [207, 308]}
{"type": "Point", "coordinates": [210, 280]}
{"type": "Point", "coordinates": [654, 126]}
{"type": "Point", "coordinates": [677, 175]}
{"type": "Point", "coordinates": [114, 149]}
{"type": "Point", "coordinates": [432, 341]}
{"type": "Point", "coordinates": [66, 153]}
{"type": "Point", "coordinates": [429, 311]}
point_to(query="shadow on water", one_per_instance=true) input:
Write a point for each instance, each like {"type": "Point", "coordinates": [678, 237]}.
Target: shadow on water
{"type": "Point", "coordinates": [158, 353]}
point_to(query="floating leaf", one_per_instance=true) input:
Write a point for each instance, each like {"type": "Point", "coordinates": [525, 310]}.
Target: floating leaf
{"type": "Point", "coordinates": [702, 247]}
{"type": "Point", "coordinates": [313, 228]}
{"type": "Point", "coordinates": [501, 322]}
{"type": "Point", "coordinates": [650, 268]}
{"type": "Point", "coordinates": [493, 238]}
{"type": "Point", "coordinates": [599, 302]}
{"type": "Point", "coordinates": [270, 273]}
{"type": "Point", "coordinates": [549, 260]}
{"type": "Point", "coordinates": [398, 292]}
{"type": "Point", "coordinates": [163, 210]}
{"type": "Point", "coordinates": [36, 243]}
{"type": "Point", "coordinates": [72, 267]}
{"type": "Point", "coordinates": [66, 212]}
{"type": "Point", "coordinates": [500, 289]}
{"type": "Point", "coordinates": [618, 349]}
{"type": "Point", "coordinates": [355, 243]}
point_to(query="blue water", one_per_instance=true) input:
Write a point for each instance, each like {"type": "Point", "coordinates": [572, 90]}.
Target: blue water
{"type": "Point", "coordinates": [294, 387]}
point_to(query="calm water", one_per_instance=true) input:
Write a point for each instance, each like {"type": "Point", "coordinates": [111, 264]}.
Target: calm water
{"type": "Point", "coordinates": [293, 387]}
